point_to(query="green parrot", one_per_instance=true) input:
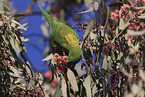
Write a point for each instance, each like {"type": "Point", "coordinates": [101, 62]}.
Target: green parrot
{"type": "Point", "coordinates": [64, 36]}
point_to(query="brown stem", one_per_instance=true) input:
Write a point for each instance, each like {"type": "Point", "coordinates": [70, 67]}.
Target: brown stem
{"type": "Point", "coordinates": [29, 10]}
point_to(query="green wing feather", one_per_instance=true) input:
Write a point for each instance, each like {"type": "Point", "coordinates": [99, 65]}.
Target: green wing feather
{"type": "Point", "coordinates": [64, 36]}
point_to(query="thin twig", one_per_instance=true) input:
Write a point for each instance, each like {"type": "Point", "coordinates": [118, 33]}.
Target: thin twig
{"type": "Point", "coordinates": [29, 10]}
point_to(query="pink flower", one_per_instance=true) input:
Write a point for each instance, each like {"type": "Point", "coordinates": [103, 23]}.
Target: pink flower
{"type": "Point", "coordinates": [60, 59]}
{"type": "Point", "coordinates": [115, 16]}
{"type": "Point", "coordinates": [48, 75]}
{"type": "Point", "coordinates": [122, 8]}
{"type": "Point", "coordinates": [131, 26]}
{"type": "Point", "coordinates": [56, 55]}
{"type": "Point", "coordinates": [117, 11]}
{"type": "Point", "coordinates": [130, 36]}
{"type": "Point", "coordinates": [126, 6]}
{"type": "Point", "coordinates": [65, 57]}
{"type": "Point", "coordinates": [65, 62]}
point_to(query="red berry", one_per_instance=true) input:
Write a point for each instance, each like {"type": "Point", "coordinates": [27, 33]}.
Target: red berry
{"type": "Point", "coordinates": [65, 57]}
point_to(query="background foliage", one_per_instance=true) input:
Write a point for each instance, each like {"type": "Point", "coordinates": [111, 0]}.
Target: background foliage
{"type": "Point", "coordinates": [113, 57]}
{"type": "Point", "coordinates": [15, 71]}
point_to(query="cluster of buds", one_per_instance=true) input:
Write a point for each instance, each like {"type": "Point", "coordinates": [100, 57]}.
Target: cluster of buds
{"type": "Point", "coordinates": [115, 15]}
{"type": "Point", "coordinates": [107, 49]}
{"type": "Point", "coordinates": [124, 9]}
{"type": "Point", "coordinates": [120, 46]}
{"type": "Point", "coordinates": [60, 59]}
{"type": "Point", "coordinates": [134, 24]}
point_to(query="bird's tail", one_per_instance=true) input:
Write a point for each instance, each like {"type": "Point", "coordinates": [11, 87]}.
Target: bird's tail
{"type": "Point", "coordinates": [48, 18]}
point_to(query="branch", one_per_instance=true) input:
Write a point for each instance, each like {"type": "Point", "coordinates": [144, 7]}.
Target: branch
{"type": "Point", "coordinates": [29, 10]}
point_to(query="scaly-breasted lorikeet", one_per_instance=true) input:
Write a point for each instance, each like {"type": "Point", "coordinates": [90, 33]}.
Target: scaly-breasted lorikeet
{"type": "Point", "coordinates": [64, 36]}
